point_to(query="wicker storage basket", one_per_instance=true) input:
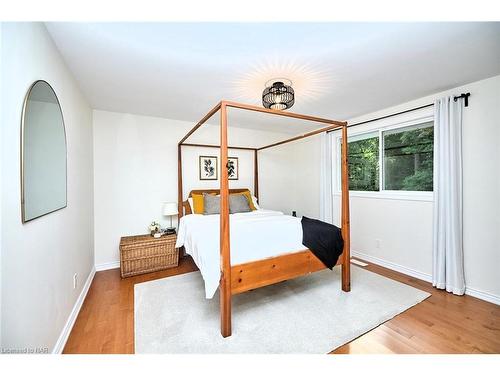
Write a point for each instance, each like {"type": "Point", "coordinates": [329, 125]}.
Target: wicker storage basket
{"type": "Point", "coordinates": [142, 254]}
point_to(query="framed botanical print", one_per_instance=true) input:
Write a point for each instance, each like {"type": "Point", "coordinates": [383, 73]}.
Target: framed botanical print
{"type": "Point", "coordinates": [208, 167]}
{"type": "Point", "coordinates": [232, 168]}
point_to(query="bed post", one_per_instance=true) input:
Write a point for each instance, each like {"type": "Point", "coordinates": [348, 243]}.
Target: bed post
{"type": "Point", "coordinates": [179, 181]}
{"type": "Point", "coordinates": [346, 262]}
{"type": "Point", "coordinates": [225, 254]}
{"type": "Point", "coordinates": [256, 175]}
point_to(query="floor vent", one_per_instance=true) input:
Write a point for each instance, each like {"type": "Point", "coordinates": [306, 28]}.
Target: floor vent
{"type": "Point", "coordinates": [358, 262]}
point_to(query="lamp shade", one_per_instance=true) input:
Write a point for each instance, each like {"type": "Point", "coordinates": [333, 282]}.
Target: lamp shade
{"type": "Point", "coordinates": [170, 208]}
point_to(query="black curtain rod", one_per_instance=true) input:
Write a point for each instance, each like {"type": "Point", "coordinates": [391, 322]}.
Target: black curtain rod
{"type": "Point", "coordinates": [463, 96]}
{"type": "Point", "coordinates": [455, 98]}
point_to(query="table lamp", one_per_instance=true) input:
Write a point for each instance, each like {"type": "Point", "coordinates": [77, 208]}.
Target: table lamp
{"type": "Point", "coordinates": [170, 209]}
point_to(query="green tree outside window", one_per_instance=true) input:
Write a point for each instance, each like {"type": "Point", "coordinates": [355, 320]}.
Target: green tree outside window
{"type": "Point", "coordinates": [407, 160]}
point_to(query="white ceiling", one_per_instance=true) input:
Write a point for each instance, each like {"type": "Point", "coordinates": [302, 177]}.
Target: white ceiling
{"type": "Point", "coordinates": [338, 70]}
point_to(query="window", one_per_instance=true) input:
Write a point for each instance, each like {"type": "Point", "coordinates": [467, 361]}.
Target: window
{"type": "Point", "coordinates": [399, 159]}
{"type": "Point", "coordinates": [408, 158]}
{"type": "Point", "coordinates": [364, 163]}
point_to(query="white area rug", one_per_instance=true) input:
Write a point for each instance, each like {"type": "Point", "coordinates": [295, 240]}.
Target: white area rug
{"type": "Point", "coordinates": [306, 315]}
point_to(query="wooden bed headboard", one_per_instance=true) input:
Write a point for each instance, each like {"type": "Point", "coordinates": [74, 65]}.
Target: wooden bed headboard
{"type": "Point", "coordinates": [187, 207]}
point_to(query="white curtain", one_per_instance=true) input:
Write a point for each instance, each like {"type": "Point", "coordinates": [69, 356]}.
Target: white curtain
{"type": "Point", "coordinates": [448, 256]}
{"type": "Point", "coordinates": [326, 188]}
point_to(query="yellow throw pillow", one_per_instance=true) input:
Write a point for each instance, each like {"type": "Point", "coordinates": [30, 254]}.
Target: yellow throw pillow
{"type": "Point", "coordinates": [198, 205]}
{"type": "Point", "coordinates": [249, 199]}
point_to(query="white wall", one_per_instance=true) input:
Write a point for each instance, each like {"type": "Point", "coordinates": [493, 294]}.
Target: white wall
{"type": "Point", "coordinates": [307, 187]}
{"type": "Point", "coordinates": [289, 177]}
{"type": "Point", "coordinates": [135, 170]}
{"type": "Point", "coordinates": [404, 227]}
{"type": "Point", "coordinates": [276, 178]}
{"type": "Point", "coordinates": [190, 172]}
{"type": "Point", "coordinates": [40, 257]}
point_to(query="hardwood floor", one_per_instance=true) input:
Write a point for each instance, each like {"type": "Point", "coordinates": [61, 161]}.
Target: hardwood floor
{"type": "Point", "coordinates": [105, 323]}
{"type": "Point", "coordinates": [443, 323]}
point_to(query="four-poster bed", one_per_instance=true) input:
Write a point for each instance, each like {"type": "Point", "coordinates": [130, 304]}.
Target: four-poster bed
{"type": "Point", "coordinates": [245, 276]}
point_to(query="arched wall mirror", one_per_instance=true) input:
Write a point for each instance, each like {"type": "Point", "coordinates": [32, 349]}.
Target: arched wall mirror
{"type": "Point", "coordinates": [43, 153]}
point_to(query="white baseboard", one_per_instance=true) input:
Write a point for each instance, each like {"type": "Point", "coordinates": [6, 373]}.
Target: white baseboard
{"type": "Point", "coordinates": [63, 337]}
{"type": "Point", "coordinates": [107, 266]}
{"type": "Point", "coordinates": [485, 296]}
{"type": "Point", "coordinates": [393, 266]}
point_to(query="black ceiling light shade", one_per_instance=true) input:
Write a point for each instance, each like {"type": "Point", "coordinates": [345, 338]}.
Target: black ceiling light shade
{"type": "Point", "coordinates": [278, 96]}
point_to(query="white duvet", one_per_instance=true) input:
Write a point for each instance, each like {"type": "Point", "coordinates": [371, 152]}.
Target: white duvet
{"type": "Point", "coordinates": [253, 235]}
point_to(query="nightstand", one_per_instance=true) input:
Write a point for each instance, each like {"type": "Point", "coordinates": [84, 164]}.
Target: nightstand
{"type": "Point", "coordinates": [144, 253]}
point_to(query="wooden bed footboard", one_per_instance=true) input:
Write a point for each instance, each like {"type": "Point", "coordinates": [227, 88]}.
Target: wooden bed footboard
{"type": "Point", "coordinates": [252, 275]}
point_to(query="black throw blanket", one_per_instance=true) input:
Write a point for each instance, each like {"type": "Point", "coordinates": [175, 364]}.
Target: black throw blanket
{"type": "Point", "coordinates": [323, 239]}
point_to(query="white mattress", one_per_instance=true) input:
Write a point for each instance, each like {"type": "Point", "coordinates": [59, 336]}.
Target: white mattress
{"type": "Point", "coordinates": [254, 235]}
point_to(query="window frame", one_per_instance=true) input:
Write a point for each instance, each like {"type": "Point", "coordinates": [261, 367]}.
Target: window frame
{"type": "Point", "coordinates": [381, 193]}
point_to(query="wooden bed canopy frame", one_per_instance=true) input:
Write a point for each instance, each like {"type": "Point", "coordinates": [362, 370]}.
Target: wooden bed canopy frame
{"type": "Point", "coordinates": [247, 276]}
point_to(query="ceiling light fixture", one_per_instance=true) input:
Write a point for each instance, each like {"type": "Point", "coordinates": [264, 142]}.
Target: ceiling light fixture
{"type": "Point", "coordinates": [278, 94]}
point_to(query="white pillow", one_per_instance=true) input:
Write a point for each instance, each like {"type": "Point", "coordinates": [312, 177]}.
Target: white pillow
{"type": "Point", "coordinates": [190, 200]}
